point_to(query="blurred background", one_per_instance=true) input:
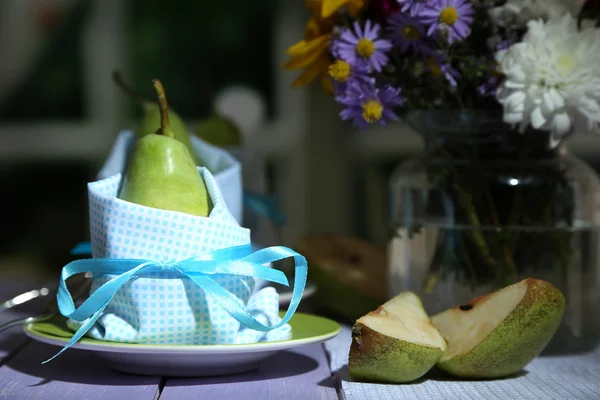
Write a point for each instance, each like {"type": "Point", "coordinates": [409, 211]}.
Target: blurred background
{"type": "Point", "coordinates": [60, 114]}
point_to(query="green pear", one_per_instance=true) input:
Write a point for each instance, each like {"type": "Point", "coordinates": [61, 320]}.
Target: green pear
{"type": "Point", "coordinates": [161, 172]}
{"type": "Point", "coordinates": [498, 334]}
{"type": "Point", "coordinates": [350, 273]}
{"type": "Point", "coordinates": [151, 120]}
{"type": "Point", "coordinates": [395, 343]}
{"type": "Point", "coordinates": [219, 131]}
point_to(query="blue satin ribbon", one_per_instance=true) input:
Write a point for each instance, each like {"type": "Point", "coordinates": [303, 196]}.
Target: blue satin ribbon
{"type": "Point", "coordinates": [82, 248]}
{"type": "Point", "coordinates": [264, 205]}
{"type": "Point", "coordinates": [237, 260]}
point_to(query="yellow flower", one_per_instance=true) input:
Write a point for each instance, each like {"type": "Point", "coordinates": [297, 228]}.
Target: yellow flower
{"type": "Point", "coordinates": [311, 53]}
{"type": "Point", "coordinates": [326, 8]}
{"type": "Point", "coordinates": [317, 26]}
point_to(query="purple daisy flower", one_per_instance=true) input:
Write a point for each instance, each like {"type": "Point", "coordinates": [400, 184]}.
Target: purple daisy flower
{"type": "Point", "coordinates": [503, 45]}
{"type": "Point", "coordinates": [412, 6]}
{"type": "Point", "coordinates": [365, 104]}
{"type": "Point", "coordinates": [451, 18]}
{"type": "Point", "coordinates": [439, 66]}
{"type": "Point", "coordinates": [342, 72]}
{"type": "Point", "coordinates": [362, 45]}
{"type": "Point", "coordinates": [408, 33]}
{"type": "Point", "coordinates": [493, 79]}
{"type": "Point", "coordinates": [497, 43]}
{"type": "Point", "coordinates": [489, 87]}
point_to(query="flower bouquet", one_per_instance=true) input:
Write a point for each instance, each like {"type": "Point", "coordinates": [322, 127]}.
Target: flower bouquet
{"type": "Point", "coordinates": [494, 88]}
{"type": "Point", "coordinates": [537, 60]}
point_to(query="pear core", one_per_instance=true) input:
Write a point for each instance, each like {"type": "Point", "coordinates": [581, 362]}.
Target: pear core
{"type": "Point", "coordinates": [474, 321]}
{"type": "Point", "coordinates": [498, 334]}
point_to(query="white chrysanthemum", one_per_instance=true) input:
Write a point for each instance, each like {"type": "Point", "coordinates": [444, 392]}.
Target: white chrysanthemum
{"type": "Point", "coordinates": [552, 78]}
{"type": "Point", "coordinates": [516, 13]}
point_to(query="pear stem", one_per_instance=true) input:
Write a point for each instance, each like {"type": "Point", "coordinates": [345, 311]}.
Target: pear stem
{"type": "Point", "coordinates": [120, 82]}
{"type": "Point", "coordinates": [164, 108]}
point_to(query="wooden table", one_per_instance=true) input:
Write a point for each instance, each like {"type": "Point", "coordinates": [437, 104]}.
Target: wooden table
{"type": "Point", "coordinates": [302, 373]}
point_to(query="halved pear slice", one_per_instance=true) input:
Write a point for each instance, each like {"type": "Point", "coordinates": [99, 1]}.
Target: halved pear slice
{"type": "Point", "coordinates": [395, 343]}
{"type": "Point", "coordinates": [498, 334]}
{"type": "Point", "coordinates": [349, 272]}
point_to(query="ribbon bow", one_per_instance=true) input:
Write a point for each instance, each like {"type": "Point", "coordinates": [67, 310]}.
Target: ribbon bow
{"type": "Point", "coordinates": [237, 260]}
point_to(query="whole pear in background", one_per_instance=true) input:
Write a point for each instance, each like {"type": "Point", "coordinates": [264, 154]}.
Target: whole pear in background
{"type": "Point", "coordinates": [219, 131]}
{"type": "Point", "coordinates": [351, 273]}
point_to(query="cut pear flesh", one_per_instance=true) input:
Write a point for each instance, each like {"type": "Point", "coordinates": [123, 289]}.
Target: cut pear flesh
{"type": "Point", "coordinates": [395, 343]}
{"type": "Point", "coordinates": [466, 326]}
{"type": "Point", "coordinates": [500, 333]}
{"type": "Point", "coordinates": [404, 318]}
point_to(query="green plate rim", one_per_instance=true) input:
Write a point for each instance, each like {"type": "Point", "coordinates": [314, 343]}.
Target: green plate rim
{"type": "Point", "coordinates": [333, 331]}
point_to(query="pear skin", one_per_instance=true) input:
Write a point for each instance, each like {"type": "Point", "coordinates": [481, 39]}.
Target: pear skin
{"type": "Point", "coordinates": [150, 123]}
{"type": "Point", "coordinates": [161, 172]}
{"type": "Point", "coordinates": [498, 334]}
{"type": "Point", "coordinates": [395, 343]}
{"type": "Point", "coordinates": [219, 131]}
{"type": "Point", "coordinates": [350, 273]}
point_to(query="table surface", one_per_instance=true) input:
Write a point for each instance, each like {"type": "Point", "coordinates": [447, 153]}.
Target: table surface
{"type": "Point", "coordinates": [301, 373]}
{"type": "Point", "coordinates": [311, 372]}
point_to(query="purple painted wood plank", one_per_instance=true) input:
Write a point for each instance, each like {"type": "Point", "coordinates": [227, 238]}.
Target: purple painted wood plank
{"type": "Point", "coordinates": [74, 375]}
{"type": "Point", "coordinates": [13, 339]}
{"type": "Point", "coordinates": [301, 373]}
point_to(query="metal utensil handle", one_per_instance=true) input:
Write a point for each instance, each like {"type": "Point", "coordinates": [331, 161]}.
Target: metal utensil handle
{"type": "Point", "coordinates": [80, 291]}
{"type": "Point", "coordinates": [25, 297]}
{"type": "Point", "coordinates": [23, 321]}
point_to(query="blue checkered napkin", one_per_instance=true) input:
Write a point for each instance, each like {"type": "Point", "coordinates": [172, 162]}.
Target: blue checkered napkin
{"type": "Point", "coordinates": [164, 308]}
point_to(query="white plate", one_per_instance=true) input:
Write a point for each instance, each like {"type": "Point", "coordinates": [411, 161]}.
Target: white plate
{"type": "Point", "coordinates": [187, 360]}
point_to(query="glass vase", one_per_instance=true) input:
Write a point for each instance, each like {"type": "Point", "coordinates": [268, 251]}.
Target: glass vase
{"type": "Point", "coordinates": [486, 206]}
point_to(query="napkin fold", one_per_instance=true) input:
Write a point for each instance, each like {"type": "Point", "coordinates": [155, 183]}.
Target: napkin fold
{"type": "Point", "coordinates": [262, 305]}
{"type": "Point", "coordinates": [164, 307]}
